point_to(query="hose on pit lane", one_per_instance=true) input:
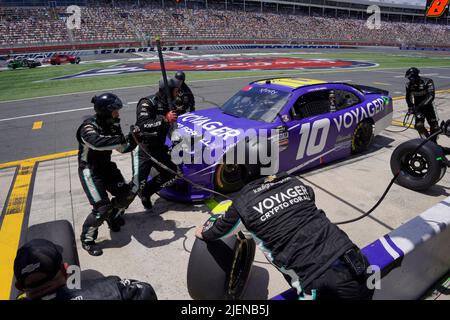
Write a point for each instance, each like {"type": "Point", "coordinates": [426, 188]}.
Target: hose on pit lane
{"type": "Point", "coordinates": [405, 123]}
{"type": "Point", "coordinates": [368, 213]}
{"type": "Point", "coordinates": [177, 174]}
{"type": "Point", "coordinates": [386, 191]}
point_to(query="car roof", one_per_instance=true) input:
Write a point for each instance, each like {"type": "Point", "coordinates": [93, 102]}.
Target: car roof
{"type": "Point", "coordinates": [290, 84]}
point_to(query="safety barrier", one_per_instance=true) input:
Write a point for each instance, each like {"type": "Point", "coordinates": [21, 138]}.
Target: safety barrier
{"type": "Point", "coordinates": [181, 48]}
{"type": "Point", "coordinates": [410, 259]}
{"type": "Point", "coordinates": [424, 49]}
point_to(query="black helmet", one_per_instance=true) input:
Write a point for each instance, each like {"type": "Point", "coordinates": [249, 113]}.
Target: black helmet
{"type": "Point", "coordinates": [172, 82]}
{"type": "Point", "coordinates": [412, 73]}
{"type": "Point", "coordinates": [106, 103]}
{"type": "Point", "coordinates": [180, 76]}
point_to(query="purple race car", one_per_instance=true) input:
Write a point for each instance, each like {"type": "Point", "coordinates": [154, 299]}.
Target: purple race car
{"type": "Point", "coordinates": [298, 123]}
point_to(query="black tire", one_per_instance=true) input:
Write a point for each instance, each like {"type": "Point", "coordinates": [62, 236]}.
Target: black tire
{"type": "Point", "coordinates": [52, 63]}
{"type": "Point", "coordinates": [77, 61]}
{"type": "Point", "coordinates": [230, 178]}
{"type": "Point", "coordinates": [219, 270]}
{"type": "Point", "coordinates": [362, 137]}
{"type": "Point", "coordinates": [421, 170]}
{"type": "Point", "coordinates": [59, 232]}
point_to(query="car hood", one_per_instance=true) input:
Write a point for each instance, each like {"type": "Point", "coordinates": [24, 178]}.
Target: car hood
{"type": "Point", "coordinates": [212, 127]}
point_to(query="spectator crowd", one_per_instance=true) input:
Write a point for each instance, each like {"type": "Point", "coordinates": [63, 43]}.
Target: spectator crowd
{"type": "Point", "coordinates": [28, 26]}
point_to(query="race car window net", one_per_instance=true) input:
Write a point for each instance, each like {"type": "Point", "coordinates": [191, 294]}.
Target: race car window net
{"type": "Point", "coordinates": [345, 99]}
{"type": "Point", "coordinates": [256, 103]}
{"type": "Point", "coordinates": [312, 104]}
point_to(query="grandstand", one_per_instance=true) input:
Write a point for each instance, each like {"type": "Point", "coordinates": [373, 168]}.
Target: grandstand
{"type": "Point", "coordinates": [33, 23]}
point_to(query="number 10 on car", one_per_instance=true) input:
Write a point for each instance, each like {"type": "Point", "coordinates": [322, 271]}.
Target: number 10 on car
{"type": "Point", "coordinates": [309, 140]}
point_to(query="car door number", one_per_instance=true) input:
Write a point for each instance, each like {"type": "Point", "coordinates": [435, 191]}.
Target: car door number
{"type": "Point", "coordinates": [310, 143]}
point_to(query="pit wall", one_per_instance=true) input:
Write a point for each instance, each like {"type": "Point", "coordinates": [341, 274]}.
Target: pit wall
{"type": "Point", "coordinates": [411, 259]}
{"type": "Point", "coordinates": [99, 52]}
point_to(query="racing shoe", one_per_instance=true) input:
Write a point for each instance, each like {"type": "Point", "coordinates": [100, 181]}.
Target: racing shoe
{"type": "Point", "coordinates": [92, 248]}
{"type": "Point", "coordinates": [120, 220]}
{"type": "Point", "coordinates": [446, 150]}
{"type": "Point", "coordinates": [147, 204]}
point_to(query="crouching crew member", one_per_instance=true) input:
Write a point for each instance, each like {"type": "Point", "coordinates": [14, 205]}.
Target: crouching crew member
{"type": "Point", "coordinates": [97, 137]}
{"type": "Point", "coordinates": [314, 255]}
{"type": "Point", "coordinates": [154, 119]}
{"type": "Point", "coordinates": [41, 274]}
{"type": "Point", "coordinates": [420, 94]}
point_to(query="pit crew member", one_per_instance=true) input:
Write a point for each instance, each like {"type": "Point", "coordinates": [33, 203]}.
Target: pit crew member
{"type": "Point", "coordinates": [186, 99]}
{"type": "Point", "coordinates": [315, 256]}
{"type": "Point", "coordinates": [41, 274]}
{"type": "Point", "coordinates": [154, 118]}
{"type": "Point", "coordinates": [420, 94]}
{"type": "Point", "coordinates": [98, 136]}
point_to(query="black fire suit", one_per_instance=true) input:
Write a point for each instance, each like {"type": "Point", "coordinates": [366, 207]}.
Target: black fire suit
{"type": "Point", "coordinates": [108, 288]}
{"type": "Point", "coordinates": [99, 175]}
{"type": "Point", "coordinates": [150, 119]}
{"type": "Point", "coordinates": [296, 237]}
{"type": "Point", "coordinates": [420, 95]}
{"type": "Point", "coordinates": [187, 99]}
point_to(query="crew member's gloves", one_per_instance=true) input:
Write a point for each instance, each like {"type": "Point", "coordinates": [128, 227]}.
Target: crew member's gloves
{"type": "Point", "coordinates": [134, 130]}
{"type": "Point", "coordinates": [445, 127]}
{"type": "Point", "coordinates": [171, 117]}
{"type": "Point", "coordinates": [178, 101]}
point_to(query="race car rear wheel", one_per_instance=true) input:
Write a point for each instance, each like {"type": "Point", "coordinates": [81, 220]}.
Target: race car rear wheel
{"type": "Point", "coordinates": [230, 178]}
{"type": "Point", "coordinates": [219, 270]}
{"type": "Point", "coordinates": [362, 137]}
{"type": "Point", "coordinates": [421, 169]}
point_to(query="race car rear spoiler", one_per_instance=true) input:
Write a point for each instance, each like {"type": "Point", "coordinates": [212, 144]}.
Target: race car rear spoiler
{"type": "Point", "coordinates": [370, 90]}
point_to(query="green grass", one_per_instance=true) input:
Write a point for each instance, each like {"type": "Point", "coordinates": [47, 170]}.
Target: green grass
{"type": "Point", "coordinates": [29, 83]}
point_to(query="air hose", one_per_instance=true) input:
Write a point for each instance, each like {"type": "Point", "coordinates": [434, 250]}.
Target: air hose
{"type": "Point", "coordinates": [175, 173]}
{"type": "Point", "coordinates": [389, 186]}
{"type": "Point", "coordinates": [198, 186]}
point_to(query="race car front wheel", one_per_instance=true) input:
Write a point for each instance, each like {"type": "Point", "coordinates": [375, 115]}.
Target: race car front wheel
{"type": "Point", "coordinates": [362, 137]}
{"type": "Point", "coordinates": [419, 169]}
{"type": "Point", "coordinates": [230, 178]}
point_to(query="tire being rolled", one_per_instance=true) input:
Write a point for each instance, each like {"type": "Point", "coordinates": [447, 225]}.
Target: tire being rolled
{"type": "Point", "coordinates": [59, 232]}
{"type": "Point", "coordinates": [219, 270]}
{"type": "Point", "coordinates": [430, 153]}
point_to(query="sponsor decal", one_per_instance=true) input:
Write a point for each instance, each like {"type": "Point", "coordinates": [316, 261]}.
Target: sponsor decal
{"type": "Point", "coordinates": [273, 204]}
{"type": "Point", "coordinates": [436, 8]}
{"type": "Point", "coordinates": [314, 135]}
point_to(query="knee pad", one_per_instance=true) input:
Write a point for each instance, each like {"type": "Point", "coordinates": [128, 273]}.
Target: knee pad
{"type": "Point", "coordinates": [124, 200]}
{"type": "Point", "coordinates": [419, 126]}
{"type": "Point", "coordinates": [98, 206]}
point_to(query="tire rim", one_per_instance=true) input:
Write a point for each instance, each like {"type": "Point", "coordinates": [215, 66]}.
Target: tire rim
{"type": "Point", "coordinates": [416, 165]}
{"type": "Point", "coordinates": [231, 174]}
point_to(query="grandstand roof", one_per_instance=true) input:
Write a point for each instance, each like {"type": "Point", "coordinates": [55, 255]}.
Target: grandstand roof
{"type": "Point", "coordinates": [384, 3]}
